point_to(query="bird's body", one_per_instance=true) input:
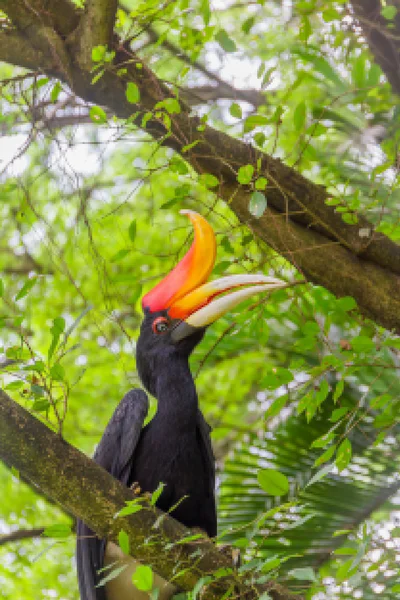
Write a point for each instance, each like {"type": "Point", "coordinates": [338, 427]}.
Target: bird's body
{"type": "Point", "coordinates": [174, 448]}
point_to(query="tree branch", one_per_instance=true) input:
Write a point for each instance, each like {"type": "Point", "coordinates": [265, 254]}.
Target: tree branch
{"type": "Point", "coordinates": [91, 494]}
{"type": "Point", "coordinates": [17, 50]}
{"type": "Point", "coordinates": [95, 29]}
{"type": "Point", "coordinates": [299, 224]}
{"type": "Point", "coordinates": [34, 22]}
{"type": "Point", "coordinates": [383, 40]}
{"type": "Point", "coordinates": [207, 93]}
{"type": "Point", "coordinates": [225, 90]}
{"type": "Point", "coordinates": [21, 534]}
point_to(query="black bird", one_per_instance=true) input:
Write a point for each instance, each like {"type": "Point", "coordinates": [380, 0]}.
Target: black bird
{"type": "Point", "coordinates": [175, 447]}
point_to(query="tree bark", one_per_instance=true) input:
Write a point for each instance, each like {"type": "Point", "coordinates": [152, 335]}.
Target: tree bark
{"type": "Point", "coordinates": [298, 223]}
{"type": "Point", "coordinates": [87, 491]}
{"type": "Point", "coordinates": [382, 35]}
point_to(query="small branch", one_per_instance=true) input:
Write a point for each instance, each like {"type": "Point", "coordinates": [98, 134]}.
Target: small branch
{"type": "Point", "coordinates": [21, 534]}
{"type": "Point", "coordinates": [254, 97]}
{"type": "Point", "coordinates": [210, 93]}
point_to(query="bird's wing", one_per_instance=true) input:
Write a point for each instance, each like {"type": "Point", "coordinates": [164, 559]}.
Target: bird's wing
{"type": "Point", "coordinates": [114, 453]}
{"type": "Point", "coordinates": [204, 430]}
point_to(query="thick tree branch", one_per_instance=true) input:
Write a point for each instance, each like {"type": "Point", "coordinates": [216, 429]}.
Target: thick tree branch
{"type": "Point", "coordinates": [95, 29]}
{"type": "Point", "coordinates": [83, 488]}
{"type": "Point", "coordinates": [382, 35]}
{"type": "Point", "coordinates": [16, 50]}
{"type": "Point", "coordinates": [33, 20]}
{"type": "Point", "coordinates": [299, 224]}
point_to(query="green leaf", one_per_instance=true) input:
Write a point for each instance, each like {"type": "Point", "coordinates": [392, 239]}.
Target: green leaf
{"type": "Point", "coordinates": [170, 203]}
{"type": "Point", "coordinates": [132, 93]}
{"type": "Point", "coordinates": [57, 372]}
{"type": "Point", "coordinates": [271, 564]}
{"type": "Point", "coordinates": [276, 406]}
{"type": "Point", "coordinates": [320, 475]}
{"type": "Point", "coordinates": [41, 405]}
{"type": "Point", "coordinates": [1, 288]}
{"type": "Point", "coordinates": [327, 455]}
{"type": "Point", "coordinates": [338, 390]}
{"type": "Point", "coordinates": [389, 12]}
{"type": "Point", "coordinates": [362, 343]}
{"type": "Point", "coordinates": [235, 110]}
{"type": "Point", "coordinates": [199, 585]}
{"type": "Point", "coordinates": [303, 574]}
{"type": "Point", "coordinates": [346, 551]}
{"type": "Point", "coordinates": [248, 24]}
{"type": "Point", "coordinates": [55, 92]}
{"type": "Point", "coordinates": [98, 53]}
{"type": "Point", "coordinates": [259, 138]}
{"type": "Point", "coordinates": [190, 146]}
{"type": "Point", "coordinates": [111, 575]}
{"type": "Point", "coordinates": [245, 174]}
{"type": "Point", "coordinates": [123, 541]}
{"type": "Point", "coordinates": [340, 532]}
{"type": "Point", "coordinates": [178, 166]}
{"type": "Point", "coordinates": [171, 105]}
{"type": "Point", "coordinates": [208, 180]}
{"type": "Point", "coordinates": [358, 73]}
{"type": "Point", "coordinates": [261, 183]}
{"type": "Point", "coordinates": [56, 331]}
{"type": "Point", "coordinates": [120, 255]}
{"type": "Point", "coordinates": [338, 413]}
{"type": "Point", "coordinates": [130, 509]}
{"type": "Point", "coordinates": [254, 121]}
{"type": "Point", "coordinates": [273, 482]}
{"type": "Point", "coordinates": [330, 14]}
{"type": "Point", "coordinates": [14, 385]}
{"type": "Point", "coordinates": [143, 578]}
{"type": "Point", "coordinates": [257, 204]}
{"type": "Point", "coordinates": [221, 267]}
{"type": "Point", "coordinates": [157, 493]}
{"type": "Point", "coordinates": [58, 530]}
{"type": "Point", "coordinates": [132, 230]}
{"type": "Point", "coordinates": [343, 455]}
{"type": "Point", "coordinates": [299, 116]}
{"type": "Point", "coordinates": [136, 292]}
{"type": "Point", "coordinates": [225, 41]}
{"type": "Point", "coordinates": [98, 115]}
{"type": "Point", "coordinates": [37, 390]}
{"type": "Point", "coordinates": [346, 303]}
{"type": "Point", "coordinates": [26, 288]}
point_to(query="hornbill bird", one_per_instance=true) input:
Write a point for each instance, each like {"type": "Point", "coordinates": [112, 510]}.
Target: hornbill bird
{"type": "Point", "coordinates": [174, 448]}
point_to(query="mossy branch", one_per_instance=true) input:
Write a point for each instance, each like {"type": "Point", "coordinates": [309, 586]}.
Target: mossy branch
{"type": "Point", "coordinates": [87, 491]}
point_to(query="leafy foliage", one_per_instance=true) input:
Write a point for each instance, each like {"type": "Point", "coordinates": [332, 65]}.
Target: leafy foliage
{"type": "Point", "coordinates": [302, 392]}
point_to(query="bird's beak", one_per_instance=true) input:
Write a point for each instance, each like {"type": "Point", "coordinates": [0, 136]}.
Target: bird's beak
{"type": "Point", "coordinates": [206, 304]}
{"type": "Point", "coordinates": [190, 301]}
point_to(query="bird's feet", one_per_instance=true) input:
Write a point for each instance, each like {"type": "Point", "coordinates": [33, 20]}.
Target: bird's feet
{"type": "Point", "coordinates": [136, 489]}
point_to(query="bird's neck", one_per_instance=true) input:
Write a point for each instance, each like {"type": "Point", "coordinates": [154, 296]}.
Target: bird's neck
{"type": "Point", "coordinates": [177, 397]}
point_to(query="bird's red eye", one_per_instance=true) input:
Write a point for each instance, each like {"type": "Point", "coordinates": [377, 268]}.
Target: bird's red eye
{"type": "Point", "coordinates": [160, 325]}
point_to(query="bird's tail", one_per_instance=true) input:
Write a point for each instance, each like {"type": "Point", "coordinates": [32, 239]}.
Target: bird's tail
{"type": "Point", "coordinates": [89, 559]}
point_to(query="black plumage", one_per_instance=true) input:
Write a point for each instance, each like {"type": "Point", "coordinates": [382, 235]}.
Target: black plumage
{"type": "Point", "coordinates": [174, 448]}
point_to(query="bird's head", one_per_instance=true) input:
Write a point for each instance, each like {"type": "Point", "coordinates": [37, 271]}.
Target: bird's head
{"type": "Point", "coordinates": [179, 308]}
